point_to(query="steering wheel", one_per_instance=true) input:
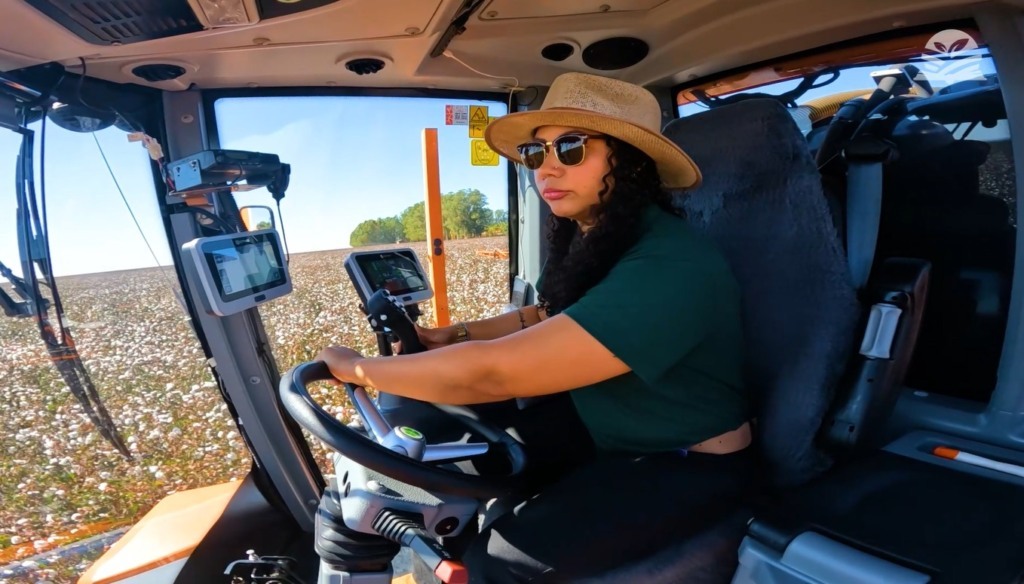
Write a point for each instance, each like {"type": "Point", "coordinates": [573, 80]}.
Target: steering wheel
{"type": "Point", "coordinates": [402, 453]}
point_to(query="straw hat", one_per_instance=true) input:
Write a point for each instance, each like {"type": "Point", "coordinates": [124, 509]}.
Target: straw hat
{"type": "Point", "coordinates": [599, 104]}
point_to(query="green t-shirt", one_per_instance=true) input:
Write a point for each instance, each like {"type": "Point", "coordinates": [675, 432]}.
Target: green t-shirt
{"type": "Point", "coordinates": [669, 309]}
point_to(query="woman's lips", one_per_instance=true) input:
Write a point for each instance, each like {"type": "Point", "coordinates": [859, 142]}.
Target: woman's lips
{"type": "Point", "coordinates": [553, 194]}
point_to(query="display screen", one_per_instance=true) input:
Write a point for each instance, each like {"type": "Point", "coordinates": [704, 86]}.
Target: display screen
{"type": "Point", "coordinates": [396, 271]}
{"type": "Point", "coordinates": [244, 266]}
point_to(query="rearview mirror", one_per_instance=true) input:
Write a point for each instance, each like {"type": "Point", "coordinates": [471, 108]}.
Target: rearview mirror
{"type": "Point", "coordinates": [256, 217]}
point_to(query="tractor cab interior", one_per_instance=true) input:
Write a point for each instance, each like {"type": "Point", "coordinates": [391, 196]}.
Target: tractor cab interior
{"type": "Point", "coordinates": [858, 177]}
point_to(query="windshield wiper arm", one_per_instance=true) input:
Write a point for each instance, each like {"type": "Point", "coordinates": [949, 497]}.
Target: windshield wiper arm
{"type": "Point", "coordinates": [33, 243]}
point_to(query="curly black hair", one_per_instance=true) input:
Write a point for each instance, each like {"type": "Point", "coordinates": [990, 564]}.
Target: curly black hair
{"type": "Point", "coordinates": [576, 262]}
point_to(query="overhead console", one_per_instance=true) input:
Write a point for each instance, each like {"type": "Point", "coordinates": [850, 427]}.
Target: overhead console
{"type": "Point", "coordinates": [104, 23]}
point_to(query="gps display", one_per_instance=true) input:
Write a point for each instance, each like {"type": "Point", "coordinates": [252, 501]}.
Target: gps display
{"type": "Point", "coordinates": [396, 270]}
{"type": "Point", "coordinates": [240, 270]}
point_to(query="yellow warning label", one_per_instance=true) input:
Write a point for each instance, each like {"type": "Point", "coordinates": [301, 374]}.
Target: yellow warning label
{"type": "Point", "coordinates": [480, 154]}
{"type": "Point", "coordinates": [478, 114]}
{"type": "Point", "coordinates": [478, 120]}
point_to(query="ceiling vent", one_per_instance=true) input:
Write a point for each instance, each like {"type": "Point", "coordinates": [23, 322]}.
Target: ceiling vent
{"type": "Point", "coordinates": [365, 66]}
{"type": "Point", "coordinates": [157, 72]}
{"type": "Point", "coordinates": [557, 51]}
{"type": "Point", "coordinates": [615, 53]}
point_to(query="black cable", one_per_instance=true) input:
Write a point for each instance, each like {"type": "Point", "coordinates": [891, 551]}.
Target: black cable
{"type": "Point", "coordinates": [284, 237]}
{"type": "Point", "coordinates": [78, 89]}
{"type": "Point", "coordinates": [225, 226]}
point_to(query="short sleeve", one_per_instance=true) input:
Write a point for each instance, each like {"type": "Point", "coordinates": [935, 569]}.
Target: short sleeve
{"type": "Point", "coordinates": [650, 312]}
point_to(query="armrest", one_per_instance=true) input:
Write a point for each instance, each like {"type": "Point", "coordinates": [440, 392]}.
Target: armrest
{"type": "Point", "coordinates": [896, 295]}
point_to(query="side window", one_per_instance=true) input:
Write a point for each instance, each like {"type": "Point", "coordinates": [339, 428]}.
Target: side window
{"type": "Point", "coordinates": [949, 198]}
{"type": "Point", "coordinates": [60, 480]}
{"type": "Point", "coordinates": [357, 182]}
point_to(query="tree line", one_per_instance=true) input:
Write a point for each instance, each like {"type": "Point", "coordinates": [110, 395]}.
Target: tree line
{"type": "Point", "coordinates": [464, 214]}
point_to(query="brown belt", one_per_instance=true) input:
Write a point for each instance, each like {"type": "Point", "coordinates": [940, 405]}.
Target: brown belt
{"type": "Point", "coordinates": [728, 442]}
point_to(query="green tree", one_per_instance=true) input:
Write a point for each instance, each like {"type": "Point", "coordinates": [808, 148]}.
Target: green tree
{"type": "Point", "coordinates": [500, 224]}
{"type": "Point", "coordinates": [414, 222]}
{"type": "Point", "coordinates": [263, 225]}
{"type": "Point", "coordinates": [377, 231]}
{"type": "Point", "coordinates": [465, 213]}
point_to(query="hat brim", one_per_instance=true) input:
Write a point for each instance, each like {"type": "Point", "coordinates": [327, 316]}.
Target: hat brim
{"type": "Point", "coordinates": [677, 170]}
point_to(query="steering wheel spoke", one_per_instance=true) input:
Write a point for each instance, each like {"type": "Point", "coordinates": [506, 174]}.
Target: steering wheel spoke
{"type": "Point", "coordinates": [454, 451]}
{"type": "Point", "coordinates": [372, 418]}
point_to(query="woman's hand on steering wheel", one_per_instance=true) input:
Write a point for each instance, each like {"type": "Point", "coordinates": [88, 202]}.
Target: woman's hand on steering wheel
{"type": "Point", "coordinates": [338, 359]}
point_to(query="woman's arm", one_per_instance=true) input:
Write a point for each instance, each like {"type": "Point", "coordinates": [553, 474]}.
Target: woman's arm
{"type": "Point", "coordinates": [553, 356]}
{"type": "Point", "coordinates": [499, 326]}
{"type": "Point", "coordinates": [486, 329]}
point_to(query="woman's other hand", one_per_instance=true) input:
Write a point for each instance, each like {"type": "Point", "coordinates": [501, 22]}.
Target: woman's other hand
{"type": "Point", "coordinates": [432, 338]}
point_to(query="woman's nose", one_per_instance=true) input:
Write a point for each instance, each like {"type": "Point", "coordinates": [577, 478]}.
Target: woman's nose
{"type": "Point", "coordinates": [550, 167]}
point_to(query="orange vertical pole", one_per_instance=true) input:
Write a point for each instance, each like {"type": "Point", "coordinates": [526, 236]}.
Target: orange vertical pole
{"type": "Point", "coordinates": [435, 230]}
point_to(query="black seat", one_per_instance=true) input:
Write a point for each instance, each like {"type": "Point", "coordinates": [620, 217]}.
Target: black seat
{"type": "Point", "coordinates": [762, 202]}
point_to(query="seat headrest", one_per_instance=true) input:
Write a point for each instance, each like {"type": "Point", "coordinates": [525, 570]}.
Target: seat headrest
{"type": "Point", "coordinates": [762, 202]}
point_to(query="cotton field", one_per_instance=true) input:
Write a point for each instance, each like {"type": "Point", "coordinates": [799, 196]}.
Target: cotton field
{"type": "Point", "coordinates": [60, 481]}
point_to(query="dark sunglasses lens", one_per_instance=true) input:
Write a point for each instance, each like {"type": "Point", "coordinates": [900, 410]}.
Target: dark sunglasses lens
{"type": "Point", "coordinates": [532, 154]}
{"type": "Point", "coordinates": [570, 149]}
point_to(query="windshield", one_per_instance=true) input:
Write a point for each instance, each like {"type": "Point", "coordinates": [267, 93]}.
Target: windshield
{"type": "Point", "coordinates": [60, 480]}
{"type": "Point", "coordinates": [357, 182]}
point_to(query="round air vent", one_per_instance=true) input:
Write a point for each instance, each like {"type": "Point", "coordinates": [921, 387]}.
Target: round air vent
{"type": "Point", "coordinates": [558, 51]}
{"type": "Point", "coordinates": [156, 72]}
{"type": "Point", "coordinates": [365, 66]}
{"type": "Point", "coordinates": [615, 53]}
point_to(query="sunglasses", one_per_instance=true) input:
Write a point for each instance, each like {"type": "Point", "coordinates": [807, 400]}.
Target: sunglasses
{"type": "Point", "coordinates": [569, 149]}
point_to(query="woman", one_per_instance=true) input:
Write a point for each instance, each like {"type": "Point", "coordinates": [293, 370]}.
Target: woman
{"type": "Point", "coordinates": [638, 331]}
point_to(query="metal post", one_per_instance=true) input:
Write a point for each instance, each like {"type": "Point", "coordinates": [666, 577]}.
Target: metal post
{"type": "Point", "coordinates": [435, 230]}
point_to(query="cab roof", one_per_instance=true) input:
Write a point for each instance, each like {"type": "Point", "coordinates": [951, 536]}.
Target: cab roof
{"type": "Point", "coordinates": [285, 43]}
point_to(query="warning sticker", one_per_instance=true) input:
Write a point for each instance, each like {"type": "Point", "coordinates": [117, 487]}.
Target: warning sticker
{"type": "Point", "coordinates": [480, 154]}
{"type": "Point", "coordinates": [456, 115]}
{"type": "Point", "coordinates": [478, 114]}
{"type": "Point", "coordinates": [478, 120]}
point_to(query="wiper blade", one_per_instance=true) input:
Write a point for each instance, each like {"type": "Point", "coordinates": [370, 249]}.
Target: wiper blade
{"type": "Point", "coordinates": [33, 243]}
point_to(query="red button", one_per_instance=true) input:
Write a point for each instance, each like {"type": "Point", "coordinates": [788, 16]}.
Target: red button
{"type": "Point", "coordinates": [452, 572]}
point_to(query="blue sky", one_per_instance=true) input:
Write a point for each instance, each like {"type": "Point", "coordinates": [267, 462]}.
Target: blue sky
{"type": "Point", "coordinates": [352, 158]}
